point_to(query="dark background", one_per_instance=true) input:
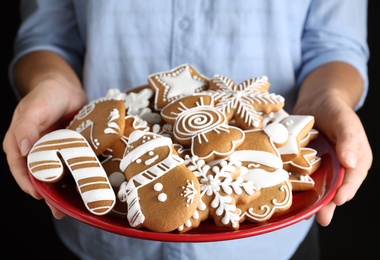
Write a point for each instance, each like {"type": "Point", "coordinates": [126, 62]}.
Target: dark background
{"type": "Point", "coordinates": [353, 232]}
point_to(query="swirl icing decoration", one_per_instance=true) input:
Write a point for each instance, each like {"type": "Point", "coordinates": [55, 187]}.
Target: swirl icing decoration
{"type": "Point", "coordinates": [196, 122]}
{"type": "Point", "coordinates": [199, 124]}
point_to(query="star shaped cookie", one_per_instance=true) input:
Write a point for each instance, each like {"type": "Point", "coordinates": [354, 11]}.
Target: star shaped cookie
{"type": "Point", "coordinates": [181, 81]}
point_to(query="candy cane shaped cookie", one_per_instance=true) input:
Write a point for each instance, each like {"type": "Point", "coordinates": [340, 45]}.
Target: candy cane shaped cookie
{"type": "Point", "coordinates": [45, 164]}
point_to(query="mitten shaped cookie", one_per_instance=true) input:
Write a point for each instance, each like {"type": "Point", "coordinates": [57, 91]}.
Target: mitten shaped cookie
{"type": "Point", "coordinates": [101, 122]}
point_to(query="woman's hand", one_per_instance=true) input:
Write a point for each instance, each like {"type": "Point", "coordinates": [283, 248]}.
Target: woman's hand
{"type": "Point", "coordinates": [49, 102]}
{"type": "Point", "coordinates": [343, 127]}
{"type": "Point", "coordinates": [330, 94]}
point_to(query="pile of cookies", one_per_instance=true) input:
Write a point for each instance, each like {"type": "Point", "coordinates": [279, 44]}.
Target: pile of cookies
{"type": "Point", "coordinates": [183, 149]}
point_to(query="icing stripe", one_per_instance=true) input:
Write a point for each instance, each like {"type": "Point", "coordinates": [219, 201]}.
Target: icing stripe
{"type": "Point", "coordinates": [260, 157]}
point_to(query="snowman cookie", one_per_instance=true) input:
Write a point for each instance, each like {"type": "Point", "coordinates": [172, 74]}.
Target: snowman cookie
{"type": "Point", "coordinates": [160, 192]}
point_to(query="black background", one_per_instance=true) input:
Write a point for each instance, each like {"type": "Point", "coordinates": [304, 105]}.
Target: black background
{"type": "Point", "coordinates": [26, 223]}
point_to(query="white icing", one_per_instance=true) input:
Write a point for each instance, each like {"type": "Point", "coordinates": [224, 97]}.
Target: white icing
{"type": "Point", "coordinates": [265, 179]}
{"type": "Point", "coordinates": [295, 124]}
{"type": "Point", "coordinates": [136, 103]}
{"type": "Point", "coordinates": [162, 197]}
{"type": "Point", "coordinates": [303, 179]}
{"type": "Point", "coordinates": [274, 117]}
{"type": "Point", "coordinates": [277, 132]}
{"type": "Point", "coordinates": [189, 192]}
{"type": "Point", "coordinates": [151, 160]}
{"type": "Point", "coordinates": [257, 156]}
{"type": "Point", "coordinates": [158, 186]}
{"type": "Point", "coordinates": [115, 93]}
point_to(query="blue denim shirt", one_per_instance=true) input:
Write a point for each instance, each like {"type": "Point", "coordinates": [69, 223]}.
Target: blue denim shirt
{"type": "Point", "coordinates": [118, 43]}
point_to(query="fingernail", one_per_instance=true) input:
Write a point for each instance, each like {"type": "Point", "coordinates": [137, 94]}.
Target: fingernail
{"type": "Point", "coordinates": [24, 147]}
{"type": "Point", "coordinates": [350, 159]}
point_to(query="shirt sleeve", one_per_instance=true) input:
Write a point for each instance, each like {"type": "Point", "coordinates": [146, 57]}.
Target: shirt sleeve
{"type": "Point", "coordinates": [336, 30]}
{"type": "Point", "coordinates": [48, 25]}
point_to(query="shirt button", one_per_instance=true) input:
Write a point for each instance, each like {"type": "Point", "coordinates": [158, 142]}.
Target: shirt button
{"type": "Point", "coordinates": [184, 24]}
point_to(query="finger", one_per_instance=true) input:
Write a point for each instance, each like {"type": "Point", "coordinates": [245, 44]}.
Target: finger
{"type": "Point", "coordinates": [56, 212]}
{"type": "Point", "coordinates": [325, 214]}
{"type": "Point", "coordinates": [356, 156]}
{"type": "Point", "coordinates": [17, 165]}
{"type": "Point", "coordinates": [350, 185]}
{"type": "Point", "coordinates": [348, 143]}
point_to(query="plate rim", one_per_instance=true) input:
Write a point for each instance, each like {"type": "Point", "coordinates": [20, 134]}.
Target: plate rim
{"type": "Point", "coordinates": [99, 221]}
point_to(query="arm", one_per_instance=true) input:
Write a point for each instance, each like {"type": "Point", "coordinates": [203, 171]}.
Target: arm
{"type": "Point", "coordinates": [47, 59]}
{"type": "Point", "coordinates": [50, 91]}
{"type": "Point", "coordinates": [330, 93]}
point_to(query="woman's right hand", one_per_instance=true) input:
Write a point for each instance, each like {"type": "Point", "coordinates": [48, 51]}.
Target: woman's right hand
{"type": "Point", "coordinates": [48, 105]}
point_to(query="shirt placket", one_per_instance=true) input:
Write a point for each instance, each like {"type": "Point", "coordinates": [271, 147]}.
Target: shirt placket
{"type": "Point", "coordinates": [183, 25]}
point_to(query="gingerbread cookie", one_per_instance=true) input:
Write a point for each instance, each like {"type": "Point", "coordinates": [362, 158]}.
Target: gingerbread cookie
{"type": "Point", "coordinates": [301, 182]}
{"type": "Point", "coordinates": [160, 192]}
{"type": "Point", "coordinates": [222, 190]}
{"type": "Point", "coordinates": [137, 102]}
{"type": "Point", "coordinates": [299, 127]}
{"type": "Point", "coordinates": [306, 162]}
{"type": "Point", "coordinates": [170, 85]}
{"type": "Point", "coordinates": [246, 102]}
{"type": "Point", "coordinates": [45, 162]}
{"type": "Point", "coordinates": [199, 125]}
{"type": "Point", "coordinates": [259, 153]}
{"type": "Point", "coordinates": [101, 122]}
{"type": "Point", "coordinates": [112, 156]}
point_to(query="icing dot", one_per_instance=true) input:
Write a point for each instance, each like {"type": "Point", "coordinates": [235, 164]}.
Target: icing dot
{"type": "Point", "coordinates": [162, 197]}
{"type": "Point", "coordinates": [151, 153]}
{"type": "Point", "coordinates": [157, 186]}
{"type": "Point", "coordinates": [289, 122]}
{"type": "Point", "coordinates": [116, 178]}
{"type": "Point", "coordinates": [138, 161]}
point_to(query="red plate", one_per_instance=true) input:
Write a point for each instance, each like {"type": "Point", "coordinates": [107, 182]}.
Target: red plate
{"type": "Point", "coordinates": [327, 178]}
